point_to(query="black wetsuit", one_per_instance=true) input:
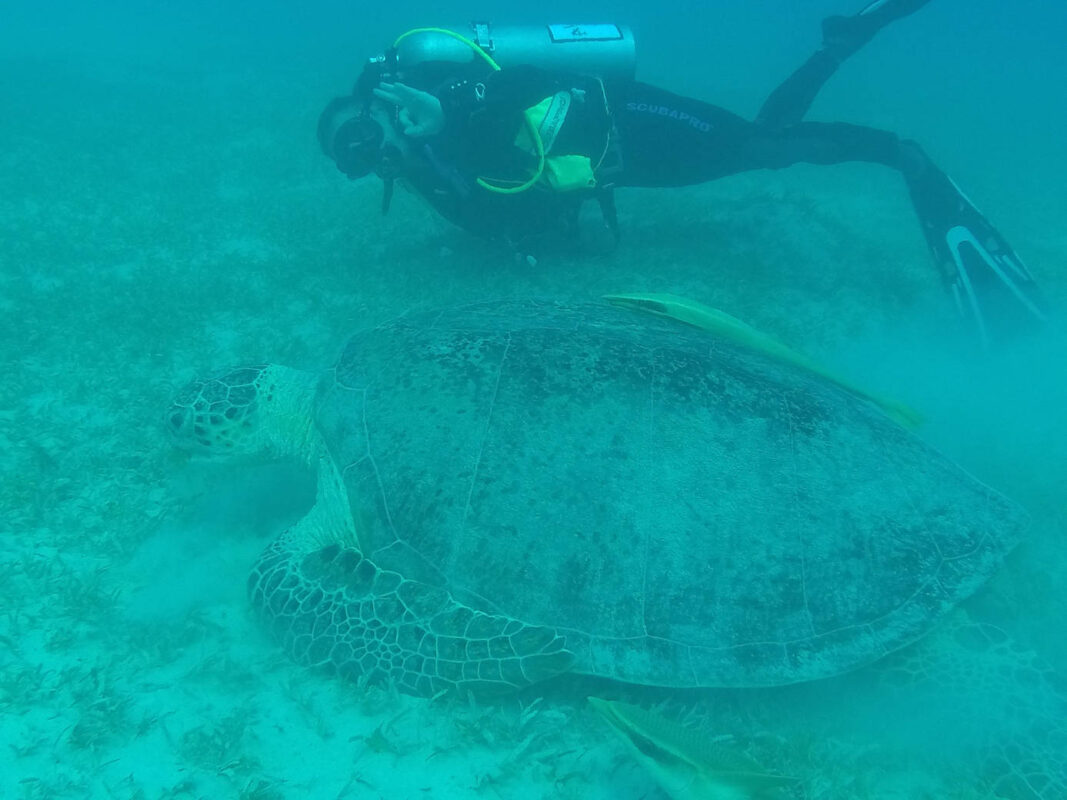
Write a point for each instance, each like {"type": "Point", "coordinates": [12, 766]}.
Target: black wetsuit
{"type": "Point", "coordinates": [484, 113]}
{"type": "Point", "coordinates": [657, 139]}
{"type": "Point", "coordinates": [670, 140]}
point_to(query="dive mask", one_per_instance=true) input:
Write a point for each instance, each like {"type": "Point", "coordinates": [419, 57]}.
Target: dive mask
{"type": "Point", "coordinates": [350, 136]}
{"type": "Point", "coordinates": [353, 139]}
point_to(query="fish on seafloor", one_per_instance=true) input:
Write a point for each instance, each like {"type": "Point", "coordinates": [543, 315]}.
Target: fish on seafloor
{"type": "Point", "coordinates": [687, 764]}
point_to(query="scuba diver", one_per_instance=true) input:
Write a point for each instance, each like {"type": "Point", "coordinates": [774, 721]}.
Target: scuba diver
{"type": "Point", "coordinates": [508, 131]}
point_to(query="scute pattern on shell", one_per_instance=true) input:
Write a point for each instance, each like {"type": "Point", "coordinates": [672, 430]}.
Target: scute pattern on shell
{"type": "Point", "coordinates": [663, 507]}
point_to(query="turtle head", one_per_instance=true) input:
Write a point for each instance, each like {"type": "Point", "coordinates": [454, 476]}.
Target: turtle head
{"type": "Point", "coordinates": [252, 412]}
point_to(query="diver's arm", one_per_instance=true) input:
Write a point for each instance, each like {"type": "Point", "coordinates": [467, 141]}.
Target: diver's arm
{"type": "Point", "coordinates": [462, 105]}
{"type": "Point", "coordinates": [501, 94]}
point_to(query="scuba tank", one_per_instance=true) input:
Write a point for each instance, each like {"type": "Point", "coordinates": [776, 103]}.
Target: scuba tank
{"type": "Point", "coordinates": [605, 51]}
{"type": "Point", "coordinates": [425, 56]}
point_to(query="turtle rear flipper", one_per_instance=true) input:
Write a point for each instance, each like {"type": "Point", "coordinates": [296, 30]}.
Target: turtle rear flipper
{"type": "Point", "coordinates": [1006, 705]}
{"type": "Point", "coordinates": [337, 610]}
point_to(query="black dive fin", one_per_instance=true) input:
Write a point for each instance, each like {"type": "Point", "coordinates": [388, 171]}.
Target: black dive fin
{"type": "Point", "coordinates": [993, 289]}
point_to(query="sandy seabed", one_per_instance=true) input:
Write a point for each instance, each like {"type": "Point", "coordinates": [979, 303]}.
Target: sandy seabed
{"type": "Point", "coordinates": [153, 230]}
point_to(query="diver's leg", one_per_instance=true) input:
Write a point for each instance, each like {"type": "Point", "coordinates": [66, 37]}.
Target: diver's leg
{"type": "Point", "coordinates": [992, 287]}
{"type": "Point", "coordinates": [842, 36]}
{"type": "Point", "coordinates": [817, 143]}
{"type": "Point", "coordinates": [671, 141]}
{"type": "Point", "coordinates": [666, 139]}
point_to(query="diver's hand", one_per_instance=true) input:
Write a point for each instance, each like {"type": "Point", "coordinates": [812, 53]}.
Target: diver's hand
{"type": "Point", "coordinates": [420, 112]}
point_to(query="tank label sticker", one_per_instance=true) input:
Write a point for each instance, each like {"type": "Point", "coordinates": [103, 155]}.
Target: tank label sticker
{"type": "Point", "coordinates": [584, 33]}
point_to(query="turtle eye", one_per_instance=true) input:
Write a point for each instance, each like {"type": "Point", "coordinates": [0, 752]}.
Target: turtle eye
{"type": "Point", "coordinates": [177, 419]}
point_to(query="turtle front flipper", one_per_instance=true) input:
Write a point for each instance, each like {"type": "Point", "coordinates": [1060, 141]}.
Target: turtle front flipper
{"type": "Point", "coordinates": [335, 609]}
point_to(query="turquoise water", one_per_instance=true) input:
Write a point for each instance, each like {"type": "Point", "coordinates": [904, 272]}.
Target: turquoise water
{"type": "Point", "coordinates": [166, 211]}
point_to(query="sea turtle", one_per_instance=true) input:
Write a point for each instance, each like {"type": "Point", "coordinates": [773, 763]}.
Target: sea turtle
{"type": "Point", "coordinates": [509, 491]}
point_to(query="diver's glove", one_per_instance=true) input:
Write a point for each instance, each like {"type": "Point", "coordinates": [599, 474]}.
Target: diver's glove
{"type": "Point", "coordinates": [993, 289]}
{"type": "Point", "coordinates": [420, 114]}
